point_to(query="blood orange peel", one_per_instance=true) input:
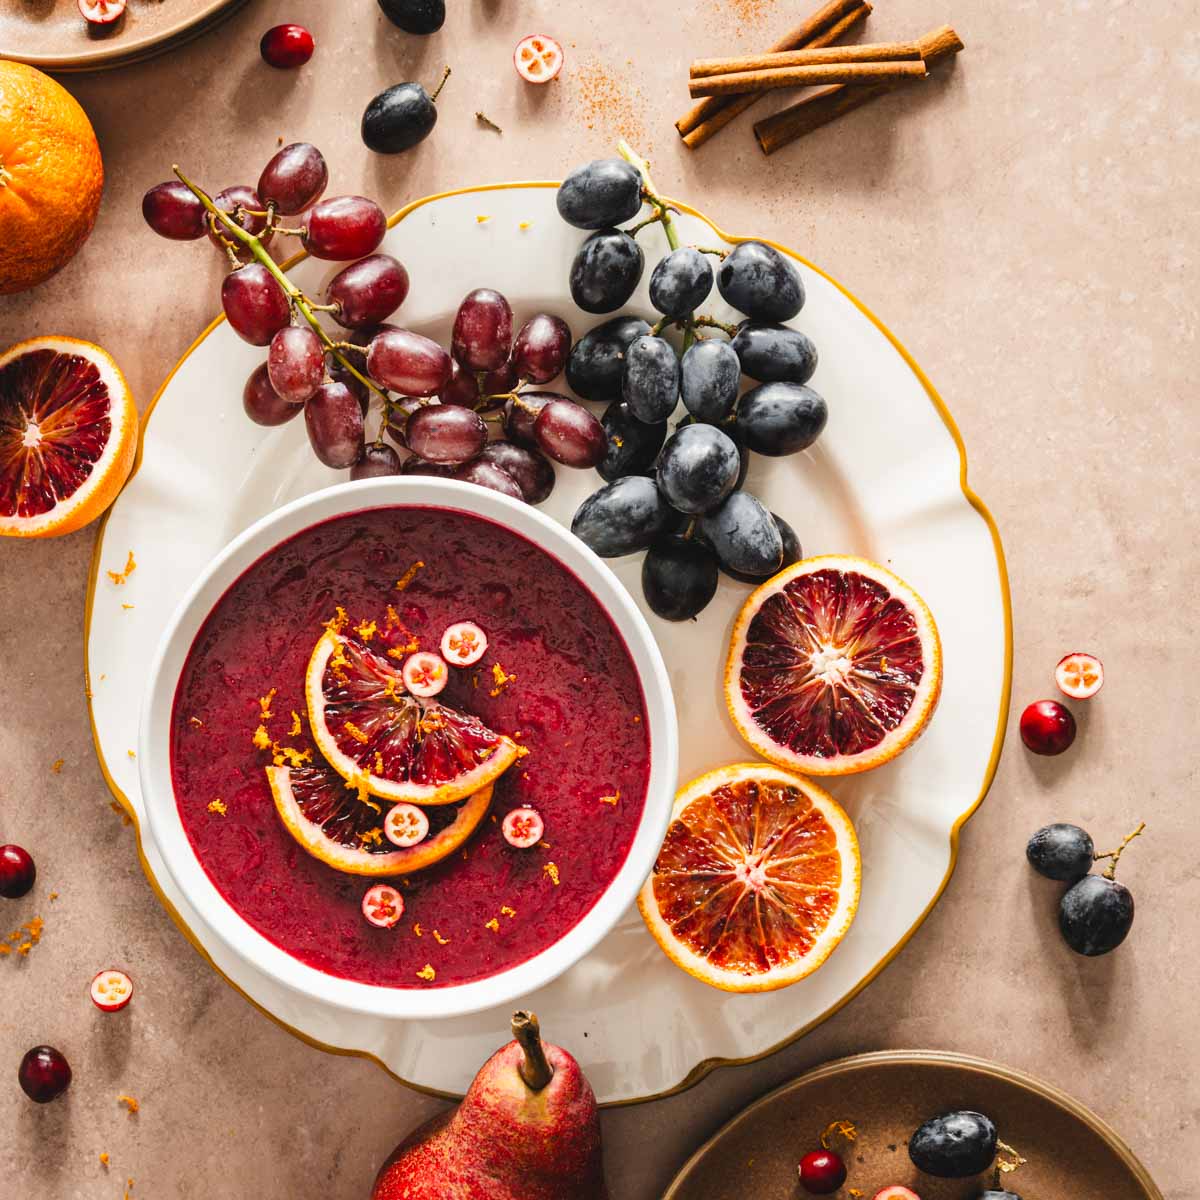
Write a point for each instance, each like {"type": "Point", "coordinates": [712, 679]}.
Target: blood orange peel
{"type": "Point", "coordinates": [383, 906]}
{"type": "Point", "coordinates": [111, 990]}
{"type": "Point", "coordinates": [1079, 675]}
{"type": "Point", "coordinates": [834, 667]}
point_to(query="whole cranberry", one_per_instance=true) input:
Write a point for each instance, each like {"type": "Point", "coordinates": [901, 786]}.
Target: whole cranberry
{"type": "Point", "coordinates": [17, 872]}
{"type": "Point", "coordinates": [286, 46]}
{"type": "Point", "coordinates": [822, 1172]}
{"type": "Point", "coordinates": [44, 1074]}
{"type": "Point", "coordinates": [1047, 727]}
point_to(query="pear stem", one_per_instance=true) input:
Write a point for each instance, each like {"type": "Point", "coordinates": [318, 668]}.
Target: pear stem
{"type": "Point", "coordinates": [535, 1068]}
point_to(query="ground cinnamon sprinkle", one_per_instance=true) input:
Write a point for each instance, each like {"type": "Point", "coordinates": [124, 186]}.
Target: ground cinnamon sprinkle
{"type": "Point", "coordinates": [605, 98]}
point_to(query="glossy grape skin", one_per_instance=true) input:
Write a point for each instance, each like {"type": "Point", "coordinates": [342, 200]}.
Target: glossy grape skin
{"type": "Point", "coordinates": [415, 16]}
{"type": "Point", "coordinates": [600, 194]}
{"type": "Point", "coordinates": [650, 378]}
{"type": "Point", "coordinates": [18, 871]}
{"type": "Point", "coordinates": [294, 178]}
{"type": "Point", "coordinates": [398, 119]}
{"type": "Point", "coordinates": [540, 349]}
{"type": "Point", "coordinates": [255, 305]}
{"type": "Point", "coordinates": [606, 271]}
{"type": "Point", "coordinates": [955, 1145]}
{"type": "Point", "coordinates": [445, 433]}
{"type": "Point", "coordinates": [776, 419]}
{"type": "Point", "coordinates": [232, 198]}
{"type": "Point", "coordinates": [744, 535]}
{"type": "Point", "coordinates": [633, 445]}
{"type": "Point", "coordinates": [377, 461]}
{"type": "Point", "coordinates": [296, 363]}
{"type": "Point", "coordinates": [359, 390]}
{"type": "Point", "coordinates": [367, 292]}
{"type": "Point", "coordinates": [462, 388]}
{"type": "Point", "coordinates": [44, 1074]}
{"type": "Point", "coordinates": [409, 363]}
{"type": "Point", "coordinates": [286, 46]}
{"type": "Point", "coordinates": [698, 468]}
{"type": "Point", "coordinates": [173, 211]}
{"type": "Point", "coordinates": [775, 353]}
{"type": "Point", "coordinates": [263, 404]}
{"type": "Point", "coordinates": [334, 422]}
{"type": "Point", "coordinates": [596, 363]}
{"type": "Point", "coordinates": [482, 336]}
{"type": "Point", "coordinates": [418, 466]}
{"type": "Point", "coordinates": [710, 376]}
{"type": "Point", "coordinates": [521, 414]}
{"type": "Point", "coordinates": [792, 553]}
{"type": "Point", "coordinates": [681, 282]}
{"type": "Point", "coordinates": [569, 434]}
{"type": "Point", "coordinates": [500, 382]}
{"type": "Point", "coordinates": [530, 470]}
{"type": "Point", "coordinates": [623, 517]}
{"type": "Point", "coordinates": [488, 475]}
{"type": "Point", "coordinates": [341, 228]}
{"type": "Point", "coordinates": [759, 281]}
{"type": "Point", "coordinates": [1062, 852]}
{"type": "Point", "coordinates": [1095, 915]}
{"type": "Point", "coordinates": [679, 577]}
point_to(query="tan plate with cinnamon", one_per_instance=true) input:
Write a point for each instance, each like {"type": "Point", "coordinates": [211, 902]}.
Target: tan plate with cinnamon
{"type": "Point", "coordinates": [52, 35]}
{"type": "Point", "coordinates": [1069, 1151]}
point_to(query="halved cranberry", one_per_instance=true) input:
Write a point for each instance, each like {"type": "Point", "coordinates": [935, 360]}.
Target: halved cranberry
{"type": "Point", "coordinates": [822, 1172]}
{"type": "Point", "coordinates": [523, 827]}
{"type": "Point", "coordinates": [101, 12]}
{"type": "Point", "coordinates": [17, 872]}
{"type": "Point", "coordinates": [111, 990]}
{"type": "Point", "coordinates": [1047, 727]}
{"type": "Point", "coordinates": [538, 58]}
{"type": "Point", "coordinates": [1079, 675]}
{"type": "Point", "coordinates": [44, 1074]}
{"type": "Point", "coordinates": [896, 1192]}
{"type": "Point", "coordinates": [425, 674]}
{"type": "Point", "coordinates": [463, 644]}
{"type": "Point", "coordinates": [286, 46]}
{"type": "Point", "coordinates": [383, 906]}
{"type": "Point", "coordinates": [405, 825]}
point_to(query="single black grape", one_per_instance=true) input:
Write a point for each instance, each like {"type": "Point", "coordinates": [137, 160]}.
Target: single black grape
{"type": "Point", "coordinates": [780, 418]}
{"type": "Point", "coordinates": [1095, 915]}
{"type": "Point", "coordinates": [399, 118]}
{"type": "Point", "coordinates": [626, 515]}
{"type": "Point", "coordinates": [650, 380]}
{"type": "Point", "coordinates": [415, 16]}
{"type": "Point", "coordinates": [792, 553]}
{"type": "Point", "coordinates": [681, 282]}
{"type": "Point", "coordinates": [709, 380]}
{"type": "Point", "coordinates": [606, 271]}
{"type": "Point", "coordinates": [532, 471]}
{"type": "Point", "coordinates": [775, 353]}
{"type": "Point", "coordinates": [1060, 851]}
{"type": "Point", "coordinates": [698, 468]}
{"type": "Point", "coordinates": [597, 360]}
{"type": "Point", "coordinates": [955, 1145]}
{"type": "Point", "coordinates": [744, 535]}
{"type": "Point", "coordinates": [600, 193]}
{"type": "Point", "coordinates": [757, 280]}
{"type": "Point", "coordinates": [679, 577]}
{"type": "Point", "coordinates": [633, 445]}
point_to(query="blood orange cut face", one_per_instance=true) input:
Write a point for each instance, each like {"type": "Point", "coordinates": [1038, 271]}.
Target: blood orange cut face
{"type": "Point", "coordinates": [835, 666]}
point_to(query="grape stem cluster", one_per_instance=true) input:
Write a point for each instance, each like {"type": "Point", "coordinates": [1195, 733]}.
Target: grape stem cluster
{"type": "Point", "coordinates": [1114, 856]}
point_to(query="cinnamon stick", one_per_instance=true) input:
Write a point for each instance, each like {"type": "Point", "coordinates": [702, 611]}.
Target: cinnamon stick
{"type": "Point", "coordinates": [720, 111]}
{"type": "Point", "coordinates": [812, 76]}
{"type": "Point", "coordinates": [813, 112]}
{"type": "Point", "coordinates": [804, 34]}
{"type": "Point", "coordinates": [809, 56]}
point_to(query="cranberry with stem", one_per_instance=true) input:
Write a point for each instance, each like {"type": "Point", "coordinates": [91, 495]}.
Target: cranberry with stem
{"type": "Point", "coordinates": [1047, 727]}
{"type": "Point", "coordinates": [44, 1074]}
{"type": "Point", "coordinates": [17, 872]}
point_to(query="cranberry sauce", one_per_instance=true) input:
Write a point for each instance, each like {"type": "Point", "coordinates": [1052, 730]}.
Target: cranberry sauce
{"type": "Point", "coordinates": [575, 702]}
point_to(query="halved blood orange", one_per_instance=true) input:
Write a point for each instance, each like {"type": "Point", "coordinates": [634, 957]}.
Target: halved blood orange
{"type": "Point", "coordinates": [757, 880]}
{"type": "Point", "coordinates": [345, 831]}
{"type": "Point", "coordinates": [68, 435]}
{"type": "Point", "coordinates": [403, 747]}
{"type": "Point", "coordinates": [835, 666]}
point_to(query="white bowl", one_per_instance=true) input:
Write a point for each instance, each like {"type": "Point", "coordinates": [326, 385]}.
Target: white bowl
{"type": "Point", "coordinates": [227, 924]}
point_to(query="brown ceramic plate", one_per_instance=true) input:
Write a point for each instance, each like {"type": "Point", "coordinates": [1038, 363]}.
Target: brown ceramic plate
{"type": "Point", "coordinates": [1069, 1150]}
{"type": "Point", "coordinates": [52, 34]}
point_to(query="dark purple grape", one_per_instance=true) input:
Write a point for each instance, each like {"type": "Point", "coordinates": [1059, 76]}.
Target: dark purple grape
{"type": "Point", "coordinates": [1062, 852]}
{"type": "Point", "coordinates": [335, 425]}
{"type": "Point", "coordinates": [774, 353]}
{"type": "Point", "coordinates": [626, 515]}
{"type": "Point", "coordinates": [1095, 915]}
{"type": "Point", "coordinates": [482, 335]}
{"type": "Point", "coordinates": [780, 418]}
{"type": "Point", "coordinates": [791, 554]}
{"type": "Point", "coordinates": [606, 271]}
{"type": "Point", "coordinates": [709, 380]}
{"type": "Point", "coordinates": [296, 363]}
{"type": "Point", "coordinates": [399, 118]}
{"type": "Point", "coordinates": [496, 386]}
{"type": "Point", "coordinates": [757, 280]}
{"type": "Point", "coordinates": [954, 1145]}
{"type": "Point", "coordinates": [744, 535]}
{"type": "Point", "coordinates": [377, 460]}
{"type": "Point", "coordinates": [408, 363]}
{"type": "Point", "coordinates": [633, 445]}
{"type": "Point", "coordinates": [605, 192]}
{"type": "Point", "coordinates": [650, 379]}
{"type": "Point", "coordinates": [242, 197]}
{"type": "Point", "coordinates": [462, 388]}
{"type": "Point", "coordinates": [294, 178]}
{"type": "Point", "coordinates": [597, 361]}
{"type": "Point", "coordinates": [569, 434]}
{"type": "Point", "coordinates": [262, 404]}
{"type": "Point", "coordinates": [541, 347]}
{"type": "Point", "coordinates": [679, 577]}
{"type": "Point", "coordinates": [44, 1074]}
{"type": "Point", "coordinates": [174, 211]}
{"type": "Point", "coordinates": [339, 374]}
{"type": "Point", "coordinates": [256, 306]}
{"type": "Point", "coordinates": [521, 414]}
{"type": "Point", "coordinates": [415, 16]}
{"type": "Point", "coordinates": [698, 468]}
{"type": "Point", "coordinates": [368, 292]}
{"type": "Point", "coordinates": [532, 471]}
{"type": "Point", "coordinates": [681, 282]}
{"type": "Point", "coordinates": [445, 433]}
{"type": "Point", "coordinates": [488, 475]}
{"type": "Point", "coordinates": [342, 228]}
{"type": "Point", "coordinates": [418, 466]}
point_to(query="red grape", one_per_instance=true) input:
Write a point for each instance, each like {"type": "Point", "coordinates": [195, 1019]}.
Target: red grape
{"type": "Point", "coordinates": [377, 460]}
{"type": "Point", "coordinates": [255, 304]}
{"type": "Point", "coordinates": [367, 292]}
{"type": "Point", "coordinates": [569, 434]}
{"type": "Point", "coordinates": [540, 351]}
{"type": "Point", "coordinates": [398, 412]}
{"type": "Point", "coordinates": [530, 470]}
{"type": "Point", "coordinates": [342, 228]}
{"type": "Point", "coordinates": [521, 413]}
{"type": "Point", "coordinates": [482, 334]}
{"type": "Point", "coordinates": [294, 178]}
{"type": "Point", "coordinates": [286, 46]}
{"type": "Point", "coordinates": [296, 363]}
{"type": "Point", "coordinates": [335, 425]}
{"type": "Point", "coordinates": [462, 388]}
{"type": "Point", "coordinates": [262, 403]}
{"type": "Point", "coordinates": [360, 391]}
{"type": "Point", "coordinates": [243, 197]}
{"type": "Point", "coordinates": [485, 474]}
{"type": "Point", "coordinates": [409, 363]}
{"type": "Point", "coordinates": [418, 466]}
{"type": "Point", "coordinates": [445, 433]}
{"type": "Point", "coordinates": [174, 211]}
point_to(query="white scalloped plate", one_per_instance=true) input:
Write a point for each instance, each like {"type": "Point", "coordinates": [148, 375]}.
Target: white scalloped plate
{"type": "Point", "coordinates": [887, 480]}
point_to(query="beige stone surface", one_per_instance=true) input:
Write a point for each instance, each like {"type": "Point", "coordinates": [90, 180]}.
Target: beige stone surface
{"type": "Point", "coordinates": [1026, 223]}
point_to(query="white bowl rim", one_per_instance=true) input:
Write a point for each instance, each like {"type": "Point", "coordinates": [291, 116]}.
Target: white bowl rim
{"type": "Point", "coordinates": [154, 762]}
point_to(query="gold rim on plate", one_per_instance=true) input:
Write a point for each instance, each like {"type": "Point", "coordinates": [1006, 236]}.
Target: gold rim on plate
{"type": "Point", "coordinates": [706, 1066]}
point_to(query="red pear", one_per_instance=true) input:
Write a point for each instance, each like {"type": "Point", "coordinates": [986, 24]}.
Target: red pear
{"type": "Point", "coordinates": [527, 1129]}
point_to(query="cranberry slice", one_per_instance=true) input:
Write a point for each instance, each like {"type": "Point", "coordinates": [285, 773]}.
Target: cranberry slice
{"type": "Point", "coordinates": [1079, 675]}
{"type": "Point", "coordinates": [405, 825]}
{"type": "Point", "coordinates": [111, 990]}
{"type": "Point", "coordinates": [101, 12]}
{"type": "Point", "coordinates": [538, 58]}
{"type": "Point", "coordinates": [523, 827]}
{"type": "Point", "coordinates": [425, 674]}
{"type": "Point", "coordinates": [464, 644]}
{"type": "Point", "coordinates": [383, 906]}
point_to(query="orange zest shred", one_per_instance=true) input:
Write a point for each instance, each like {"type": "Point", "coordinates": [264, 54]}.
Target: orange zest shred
{"type": "Point", "coordinates": [418, 930]}
{"type": "Point", "coordinates": [53, 896]}
{"type": "Point", "coordinates": [505, 911]}
{"type": "Point", "coordinates": [366, 629]}
{"type": "Point", "coordinates": [408, 576]}
{"type": "Point", "coordinates": [57, 765]}
{"type": "Point", "coordinates": [501, 678]}
{"type": "Point", "coordinates": [104, 1158]}
{"type": "Point", "coordinates": [356, 733]}
{"type": "Point", "coordinates": [261, 738]}
{"type": "Point", "coordinates": [128, 1189]}
{"type": "Point", "coordinates": [131, 754]}
{"type": "Point", "coordinates": [378, 763]}
{"type": "Point", "coordinates": [360, 785]}
{"type": "Point", "coordinates": [127, 607]}
{"type": "Point", "coordinates": [427, 973]}
{"type": "Point", "coordinates": [481, 219]}
{"type": "Point", "coordinates": [264, 705]}
{"type": "Point", "coordinates": [217, 806]}
{"type": "Point", "coordinates": [441, 941]}
{"type": "Point", "coordinates": [199, 724]}
{"type": "Point", "coordinates": [493, 925]}
{"type": "Point", "coordinates": [611, 799]}
{"type": "Point", "coordinates": [551, 869]}
{"type": "Point", "coordinates": [523, 225]}
{"type": "Point", "coordinates": [119, 577]}
{"type": "Point", "coordinates": [130, 1103]}
{"type": "Point", "coordinates": [373, 836]}
{"type": "Point", "coordinates": [838, 1129]}
{"type": "Point", "coordinates": [338, 621]}
{"type": "Point", "coordinates": [294, 731]}
{"type": "Point", "coordinates": [290, 755]}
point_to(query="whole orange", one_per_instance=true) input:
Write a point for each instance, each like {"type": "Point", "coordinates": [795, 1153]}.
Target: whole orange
{"type": "Point", "coordinates": [51, 177]}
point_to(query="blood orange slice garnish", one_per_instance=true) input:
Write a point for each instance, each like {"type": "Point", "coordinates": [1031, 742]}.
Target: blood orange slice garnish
{"type": "Point", "coordinates": [835, 666]}
{"type": "Point", "coordinates": [68, 435]}
{"type": "Point", "coordinates": [757, 880]}
{"type": "Point", "coordinates": [345, 829]}
{"type": "Point", "coordinates": [401, 746]}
